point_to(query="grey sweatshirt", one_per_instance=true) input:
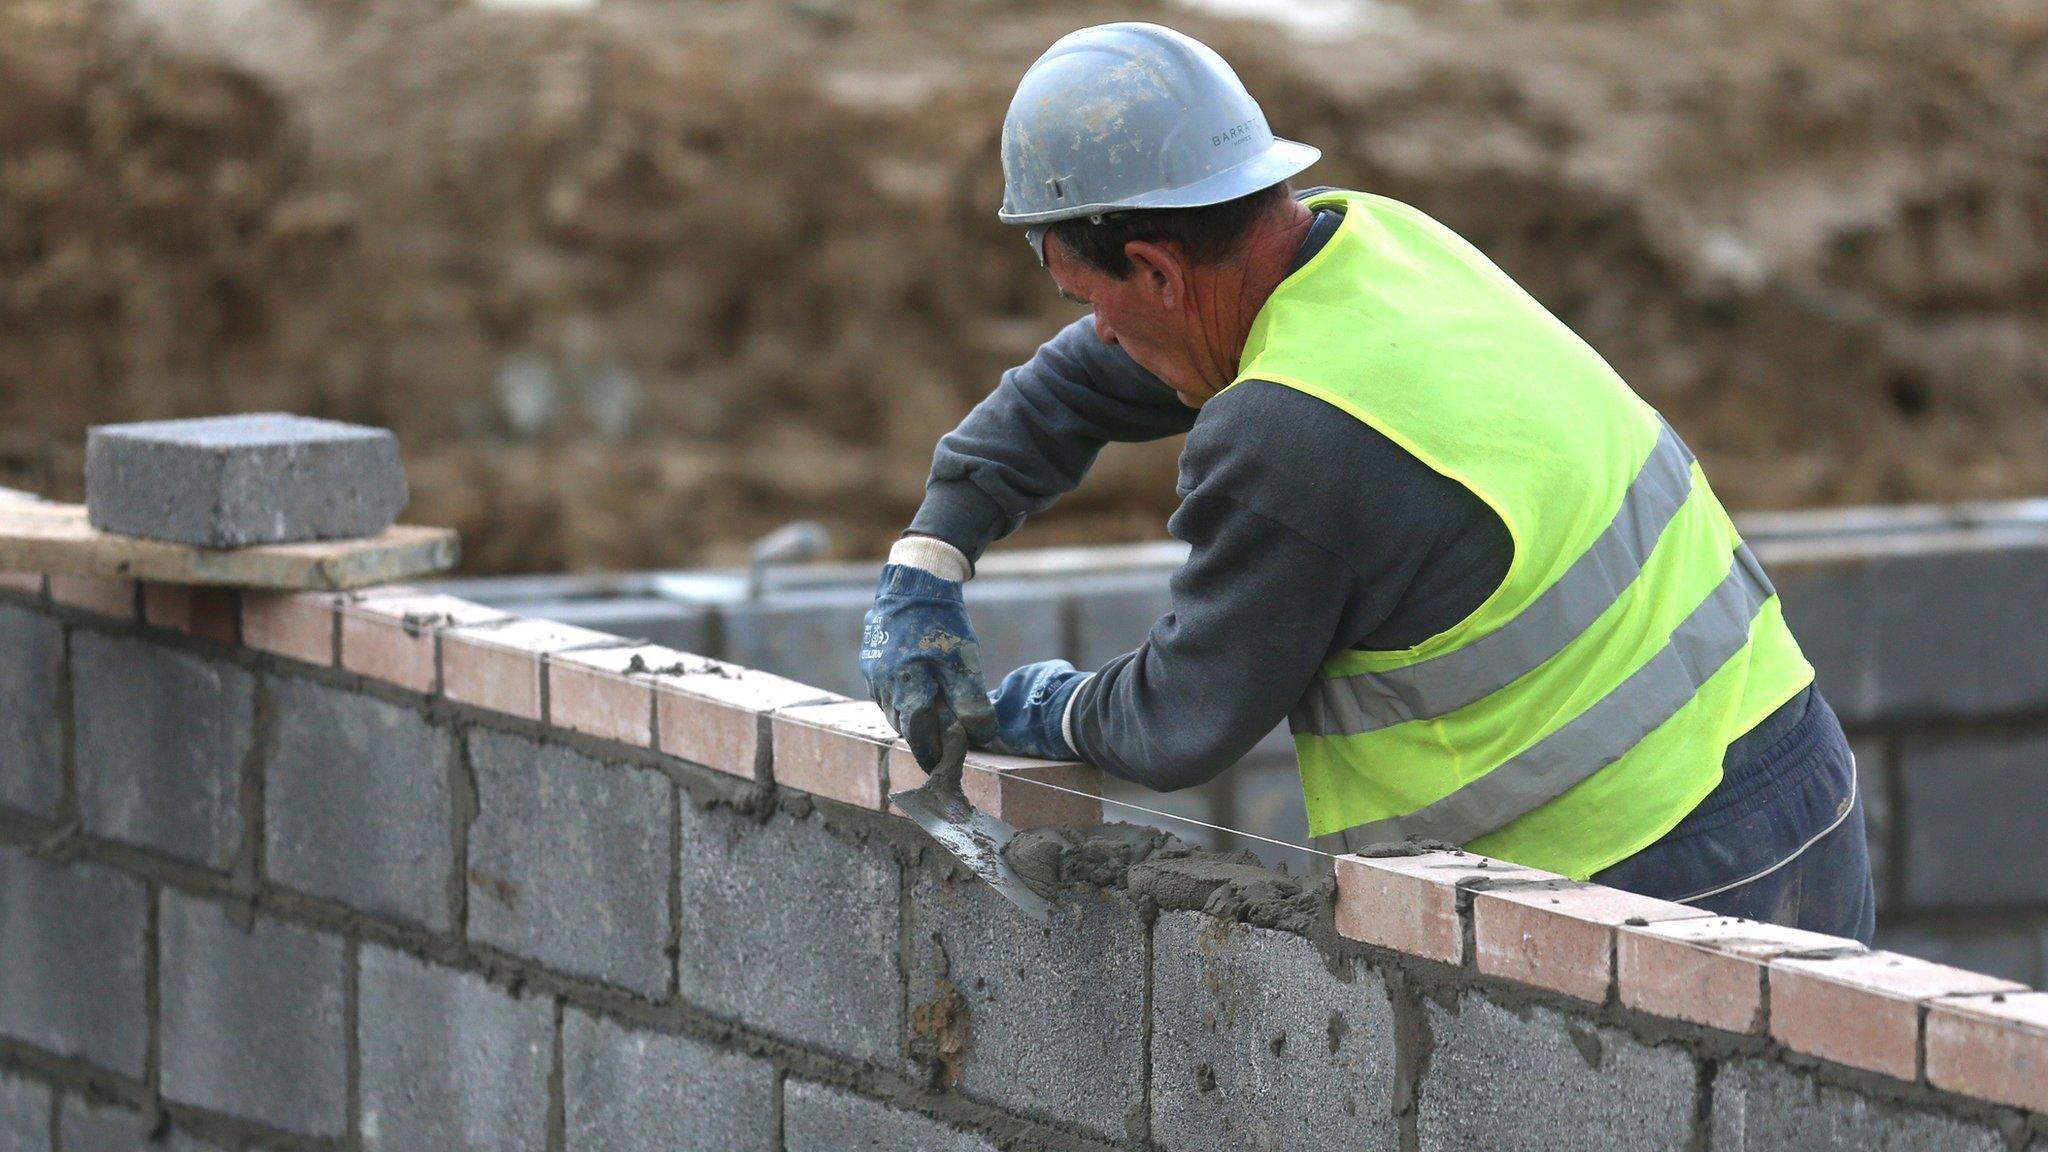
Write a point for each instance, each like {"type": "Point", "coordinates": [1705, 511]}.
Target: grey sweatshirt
{"type": "Point", "coordinates": [1309, 533]}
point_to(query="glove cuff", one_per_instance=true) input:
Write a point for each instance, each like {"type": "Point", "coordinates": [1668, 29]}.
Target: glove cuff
{"type": "Point", "coordinates": [932, 555]}
{"type": "Point", "coordinates": [1067, 715]}
{"type": "Point", "coordinates": [902, 580]}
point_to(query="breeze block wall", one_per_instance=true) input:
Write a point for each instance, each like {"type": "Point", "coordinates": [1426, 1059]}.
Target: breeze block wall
{"type": "Point", "coordinates": [396, 871]}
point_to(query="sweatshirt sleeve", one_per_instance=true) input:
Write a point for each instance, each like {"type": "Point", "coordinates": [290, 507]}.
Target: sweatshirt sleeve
{"type": "Point", "coordinates": [1032, 440]}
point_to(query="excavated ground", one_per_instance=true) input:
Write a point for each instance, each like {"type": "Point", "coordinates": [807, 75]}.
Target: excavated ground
{"type": "Point", "coordinates": [638, 282]}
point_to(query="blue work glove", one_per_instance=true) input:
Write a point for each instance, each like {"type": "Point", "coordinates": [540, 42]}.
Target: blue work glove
{"type": "Point", "coordinates": [1030, 706]}
{"type": "Point", "coordinates": [922, 664]}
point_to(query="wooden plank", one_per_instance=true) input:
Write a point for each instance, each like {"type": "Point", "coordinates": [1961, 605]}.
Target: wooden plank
{"type": "Point", "coordinates": [55, 538]}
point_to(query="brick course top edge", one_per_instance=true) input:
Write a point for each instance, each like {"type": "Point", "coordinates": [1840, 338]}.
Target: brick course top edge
{"type": "Point", "coordinates": [1417, 906]}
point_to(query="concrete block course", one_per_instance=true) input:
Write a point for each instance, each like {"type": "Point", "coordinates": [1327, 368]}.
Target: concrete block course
{"type": "Point", "coordinates": [356, 802]}
{"type": "Point", "coordinates": [1559, 936]}
{"type": "Point", "coordinates": [24, 1115]}
{"type": "Point", "coordinates": [500, 666]}
{"type": "Point", "coordinates": [1047, 1022]}
{"type": "Point", "coordinates": [839, 751]}
{"type": "Point", "coordinates": [449, 1061]}
{"type": "Point", "coordinates": [1761, 1107]}
{"type": "Point", "coordinates": [1864, 1010]}
{"type": "Point", "coordinates": [230, 481]}
{"type": "Point", "coordinates": [84, 1127]}
{"type": "Point", "coordinates": [252, 1019]}
{"type": "Point", "coordinates": [1532, 1080]}
{"type": "Point", "coordinates": [1969, 810]}
{"type": "Point", "coordinates": [395, 638]}
{"type": "Point", "coordinates": [806, 635]}
{"type": "Point", "coordinates": [569, 861]}
{"type": "Point", "coordinates": [161, 739]}
{"type": "Point", "coordinates": [31, 711]}
{"type": "Point", "coordinates": [632, 1091]}
{"type": "Point", "coordinates": [720, 718]}
{"type": "Point", "coordinates": [793, 931]}
{"type": "Point", "coordinates": [820, 1118]}
{"type": "Point", "coordinates": [72, 961]}
{"type": "Point", "coordinates": [1255, 1044]}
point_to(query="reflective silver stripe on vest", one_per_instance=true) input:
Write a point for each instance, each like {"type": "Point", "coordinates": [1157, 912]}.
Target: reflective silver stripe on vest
{"type": "Point", "coordinates": [1705, 640]}
{"type": "Point", "coordinates": [1348, 705]}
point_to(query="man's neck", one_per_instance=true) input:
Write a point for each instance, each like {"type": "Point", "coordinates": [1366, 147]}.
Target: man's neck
{"type": "Point", "coordinates": [1235, 290]}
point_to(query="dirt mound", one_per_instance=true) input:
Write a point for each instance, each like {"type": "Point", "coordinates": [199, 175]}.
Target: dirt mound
{"type": "Point", "coordinates": [639, 282]}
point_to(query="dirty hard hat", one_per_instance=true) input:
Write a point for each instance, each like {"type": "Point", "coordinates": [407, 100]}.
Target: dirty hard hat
{"type": "Point", "coordinates": [1130, 116]}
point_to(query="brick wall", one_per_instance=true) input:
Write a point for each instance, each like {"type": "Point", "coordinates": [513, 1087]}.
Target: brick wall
{"type": "Point", "coordinates": [398, 872]}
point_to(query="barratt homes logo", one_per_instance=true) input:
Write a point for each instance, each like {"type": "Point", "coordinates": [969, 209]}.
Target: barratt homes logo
{"type": "Point", "coordinates": [1237, 133]}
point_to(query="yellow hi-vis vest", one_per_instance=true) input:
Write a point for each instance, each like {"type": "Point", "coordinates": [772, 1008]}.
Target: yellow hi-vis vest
{"type": "Point", "coordinates": [1584, 708]}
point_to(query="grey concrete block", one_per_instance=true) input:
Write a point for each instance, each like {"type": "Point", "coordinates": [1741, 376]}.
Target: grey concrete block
{"type": "Point", "coordinates": [1017, 622]}
{"type": "Point", "coordinates": [626, 1091]}
{"type": "Point", "coordinates": [1765, 1107]}
{"type": "Point", "coordinates": [820, 1118]}
{"type": "Point", "coordinates": [2013, 952]}
{"type": "Point", "coordinates": [1114, 613]}
{"type": "Point", "coordinates": [83, 1127]}
{"type": "Point", "coordinates": [31, 724]}
{"type": "Point", "coordinates": [72, 942]}
{"type": "Point", "coordinates": [810, 636]}
{"type": "Point", "coordinates": [229, 481]}
{"type": "Point", "coordinates": [448, 1061]}
{"type": "Point", "coordinates": [1969, 809]}
{"type": "Point", "coordinates": [1874, 788]}
{"type": "Point", "coordinates": [1535, 1080]}
{"type": "Point", "coordinates": [161, 738]}
{"type": "Point", "coordinates": [569, 861]}
{"type": "Point", "coordinates": [791, 930]}
{"type": "Point", "coordinates": [252, 1020]}
{"type": "Point", "coordinates": [24, 1115]}
{"type": "Point", "coordinates": [356, 802]}
{"type": "Point", "coordinates": [1045, 1021]}
{"type": "Point", "coordinates": [1255, 1044]}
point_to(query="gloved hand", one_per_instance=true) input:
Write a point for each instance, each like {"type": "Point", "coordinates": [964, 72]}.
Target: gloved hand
{"type": "Point", "coordinates": [1030, 707]}
{"type": "Point", "coordinates": [922, 664]}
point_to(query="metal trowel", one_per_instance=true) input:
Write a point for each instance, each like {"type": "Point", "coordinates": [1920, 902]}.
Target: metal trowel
{"type": "Point", "coordinates": [974, 837]}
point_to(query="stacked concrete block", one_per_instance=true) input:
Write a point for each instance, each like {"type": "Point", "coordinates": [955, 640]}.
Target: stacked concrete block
{"type": "Point", "coordinates": [1114, 613]}
{"type": "Point", "coordinates": [377, 836]}
{"type": "Point", "coordinates": [162, 736]}
{"type": "Point", "coordinates": [1971, 814]}
{"type": "Point", "coordinates": [1017, 622]}
{"type": "Point", "coordinates": [569, 861]}
{"type": "Point", "coordinates": [72, 944]}
{"type": "Point", "coordinates": [31, 718]}
{"type": "Point", "coordinates": [1255, 1044]}
{"type": "Point", "coordinates": [1532, 1080]}
{"type": "Point", "coordinates": [636, 1091]}
{"type": "Point", "coordinates": [808, 635]}
{"type": "Point", "coordinates": [820, 1118]}
{"type": "Point", "coordinates": [754, 897]}
{"type": "Point", "coordinates": [231, 481]}
{"type": "Point", "coordinates": [24, 1115]}
{"type": "Point", "coordinates": [253, 1019]}
{"type": "Point", "coordinates": [1764, 1107]}
{"type": "Point", "coordinates": [1048, 1023]}
{"type": "Point", "coordinates": [449, 1061]}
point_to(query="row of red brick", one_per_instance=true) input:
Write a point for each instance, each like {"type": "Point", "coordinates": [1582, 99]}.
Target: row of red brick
{"type": "Point", "coordinates": [1826, 997]}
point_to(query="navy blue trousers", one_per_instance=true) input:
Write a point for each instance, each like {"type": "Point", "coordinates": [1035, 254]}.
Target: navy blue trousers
{"type": "Point", "coordinates": [1780, 840]}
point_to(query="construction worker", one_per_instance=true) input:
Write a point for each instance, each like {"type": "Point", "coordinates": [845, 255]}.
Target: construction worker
{"type": "Point", "coordinates": [1486, 584]}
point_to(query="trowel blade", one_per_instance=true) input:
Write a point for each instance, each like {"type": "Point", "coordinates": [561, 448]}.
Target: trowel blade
{"type": "Point", "coordinates": [976, 839]}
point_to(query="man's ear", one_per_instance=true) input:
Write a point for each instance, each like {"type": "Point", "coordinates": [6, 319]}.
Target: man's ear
{"type": "Point", "coordinates": [1160, 269]}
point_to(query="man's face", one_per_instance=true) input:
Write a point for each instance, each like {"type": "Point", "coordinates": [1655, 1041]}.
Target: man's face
{"type": "Point", "coordinates": [1142, 314]}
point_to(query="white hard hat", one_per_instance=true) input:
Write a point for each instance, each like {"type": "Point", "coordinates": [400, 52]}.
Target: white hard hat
{"type": "Point", "coordinates": [1132, 116]}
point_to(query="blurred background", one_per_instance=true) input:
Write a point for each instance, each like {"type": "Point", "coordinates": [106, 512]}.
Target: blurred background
{"type": "Point", "coordinates": [636, 281]}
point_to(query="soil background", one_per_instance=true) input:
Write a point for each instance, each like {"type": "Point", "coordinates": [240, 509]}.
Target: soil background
{"type": "Point", "coordinates": [638, 280]}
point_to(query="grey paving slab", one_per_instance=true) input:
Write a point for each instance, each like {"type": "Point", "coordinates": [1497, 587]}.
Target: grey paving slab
{"type": "Point", "coordinates": [356, 802]}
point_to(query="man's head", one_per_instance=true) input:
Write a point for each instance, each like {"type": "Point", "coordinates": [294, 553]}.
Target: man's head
{"type": "Point", "coordinates": [1140, 148]}
{"type": "Point", "coordinates": [1178, 288]}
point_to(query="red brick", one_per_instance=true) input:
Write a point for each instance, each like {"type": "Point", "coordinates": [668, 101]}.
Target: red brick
{"type": "Point", "coordinates": [24, 583]}
{"type": "Point", "coordinates": [296, 625]}
{"type": "Point", "coordinates": [839, 751]}
{"type": "Point", "coordinates": [1864, 1011]}
{"type": "Point", "coordinates": [1559, 936]}
{"type": "Point", "coordinates": [1708, 971]}
{"type": "Point", "coordinates": [102, 595]}
{"type": "Point", "coordinates": [500, 666]}
{"type": "Point", "coordinates": [1991, 1048]}
{"type": "Point", "coordinates": [207, 613]}
{"type": "Point", "coordinates": [1410, 903]}
{"type": "Point", "coordinates": [595, 693]}
{"type": "Point", "coordinates": [719, 717]}
{"type": "Point", "coordinates": [394, 635]}
{"type": "Point", "coordinates": [1013, 788]}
